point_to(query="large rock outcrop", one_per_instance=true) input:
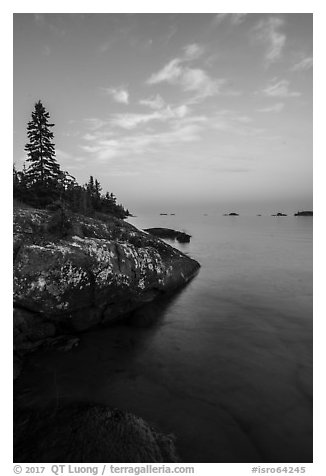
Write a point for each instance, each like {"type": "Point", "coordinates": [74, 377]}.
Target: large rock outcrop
{"type": "Point", "coordinates": [72, 272]}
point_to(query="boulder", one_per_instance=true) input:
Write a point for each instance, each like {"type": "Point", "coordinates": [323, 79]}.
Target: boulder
{"type": "Point", "coordinates": [86, 433]}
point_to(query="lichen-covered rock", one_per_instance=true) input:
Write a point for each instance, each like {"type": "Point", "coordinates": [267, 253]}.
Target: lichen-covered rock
{"type": "Point", "coordinates": [81, 433]}
{"type": "Point", "coordinates": [93, 274]}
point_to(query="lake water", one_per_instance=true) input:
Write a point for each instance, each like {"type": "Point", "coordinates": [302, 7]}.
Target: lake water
{"type": "Point", "coordinates": [227, 365]}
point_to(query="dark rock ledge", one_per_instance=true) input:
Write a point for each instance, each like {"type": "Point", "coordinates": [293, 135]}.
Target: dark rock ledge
{"type": "Point", "coordinates": [169, 234]}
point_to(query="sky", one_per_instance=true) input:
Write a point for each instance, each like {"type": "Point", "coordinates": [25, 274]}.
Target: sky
{"type": "Point", "coordinates": [207, 112]}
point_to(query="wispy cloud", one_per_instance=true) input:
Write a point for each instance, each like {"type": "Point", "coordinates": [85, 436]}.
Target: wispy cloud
{"type": "Point", "coordinates": [235, 18]}
{"type": "Point", "coordinates": [170, 73]}
{"type": "Point", "coordinates": [278, 107]}
{"type": "Point", "coordinates": [119, 95]}
{"type": "Point", "coordinates": [154, 102]}
{"type": "Point", "coordinates": [269, 32]}
{"type": "Point", "coordinates": [303, 65]}
{"type": "Point", "coordinates": [279, 88]}
{"type": "Point", "coordinates": [124, 135]}
{"type": "Point", "coordinates": [179, 71]}
{"type": "Point", "coordinates": [105, 149]}
{"type": "Point", "coordinates": [193, 51]}
{"type": "Point", "coordinates": [132, 120]}
{"type": "Point", "coordinates": [189, 79]}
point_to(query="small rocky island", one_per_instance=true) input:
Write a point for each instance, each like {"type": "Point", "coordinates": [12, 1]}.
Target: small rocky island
{"type": "Point", "coordinates": [279, 214]}
{"type": "Point", "coordinates": [304, 214]}
{"type": "Point", "coordinates": [170, 234]}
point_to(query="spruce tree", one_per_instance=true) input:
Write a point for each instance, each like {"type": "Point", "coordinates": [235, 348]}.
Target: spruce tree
{"type": "Point", "coordinates": [43, 171]}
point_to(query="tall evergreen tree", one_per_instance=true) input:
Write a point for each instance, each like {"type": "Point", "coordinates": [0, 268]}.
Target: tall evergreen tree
{"type": "Point", "coordinates": [43, 170]}
{"type": "Point", "coordinates": [44, 184]}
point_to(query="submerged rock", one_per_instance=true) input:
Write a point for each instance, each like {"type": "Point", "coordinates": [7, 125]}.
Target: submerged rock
{"type": "Point", "coordinates": [89, 272]}
{"type": "Point", "coordinates": [170, 234]}
{"type": "Point", "coordinates": [85, 433]}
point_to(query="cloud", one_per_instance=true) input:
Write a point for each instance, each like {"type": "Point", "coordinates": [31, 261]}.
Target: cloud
{"type": "Point", "coordinates": [132, 120]}
{"type": "Point", "coordinates": [268, 32]}
{"type": "Point", "coordinates": [107, 148]}
{"type": "Point", "coordinates": [280, 89]}
{"type": "Point", "coordinates": [154, 102]}
{"type": "Point", "coordinates": [235, 18]}
{"type": "Point", "coordinates": [170, 73]}
{"type": "Point", "coordinates": [278, 107]}
{"type": "Point", "coordinates": [179, 72]}
{"type": "Point", "coordinates": [193, 51]}
{"type": "Point", "coordinates": [303, 65]}
{"type": "Point", "coordinates": [119, 135]}
{"type": "Point", "coordinates": [119, 95]}
{"type": "Point", "coordinates": [189, 79]}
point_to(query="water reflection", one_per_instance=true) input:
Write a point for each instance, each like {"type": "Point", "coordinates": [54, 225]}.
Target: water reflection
{"type": "Point", "coordinates": [225, 365]}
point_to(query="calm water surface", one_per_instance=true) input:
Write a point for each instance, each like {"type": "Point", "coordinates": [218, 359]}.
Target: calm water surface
{"type": "Point", "coordinates": [227, 365]}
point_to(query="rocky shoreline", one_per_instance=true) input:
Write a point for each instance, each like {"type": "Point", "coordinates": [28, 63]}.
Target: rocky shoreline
{"type": "Point", "coordinates": [72, 273]}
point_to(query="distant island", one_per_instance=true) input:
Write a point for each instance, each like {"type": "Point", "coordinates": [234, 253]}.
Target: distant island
{"type": "Point", "coordinates": [279, 214]}
{"type": "Point", "coordinates": [304, 214]}
{"type": "Point", "coordinates": [232, 214]}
